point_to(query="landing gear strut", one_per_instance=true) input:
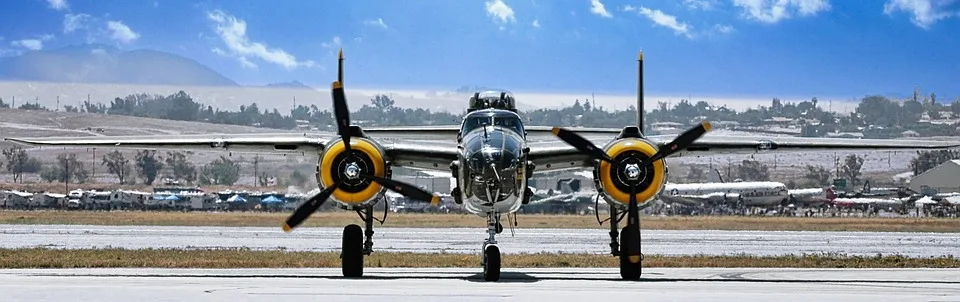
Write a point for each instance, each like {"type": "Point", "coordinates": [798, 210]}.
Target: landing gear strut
{"type": "Point", "coordinates": [357, 243]}
{"type": "Point", "coordinates": [628, 270]}
{"type": "Point", "coordinates": [491, 253]}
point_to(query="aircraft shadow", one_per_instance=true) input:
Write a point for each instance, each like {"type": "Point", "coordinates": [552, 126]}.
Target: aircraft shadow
{"type": "Point", "coordinates": [510, 277]}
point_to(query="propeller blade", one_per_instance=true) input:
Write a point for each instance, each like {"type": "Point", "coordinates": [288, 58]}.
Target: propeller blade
{"type": "Point", "coordinates": [407, 190]}
{"type": "Point", "coordinates": [308, 208]}
{"type": "Point", "coordinates": [340, 110]}
{"type": "Point", "coordinates": [682, 141]}
{"type": "Point", "coordinates": [342, 114]}
{"type": "Point", "coordinates": [581, 144]}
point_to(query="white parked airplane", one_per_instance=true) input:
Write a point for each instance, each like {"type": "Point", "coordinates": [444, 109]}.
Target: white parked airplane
{"type": "Point", "coordinates": [715, 192]}
{"type": "Point", "coordinates": [491, 161]}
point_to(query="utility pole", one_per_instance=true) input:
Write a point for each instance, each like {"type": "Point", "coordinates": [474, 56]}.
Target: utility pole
{"type": "Point", "coordinates": [66, 177]}
{"type": "Point", "coordinates": [94, 165]}
{"type": "Point", "coordinates": [256, 175]}
{"type": "Point", "coordinates": [58, 104]}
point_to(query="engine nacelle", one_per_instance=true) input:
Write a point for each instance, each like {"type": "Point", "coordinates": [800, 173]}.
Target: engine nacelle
{"type": "Point", "coordinates": [335, 164]}
{"type": "Point", "coordinates": [612, 182]}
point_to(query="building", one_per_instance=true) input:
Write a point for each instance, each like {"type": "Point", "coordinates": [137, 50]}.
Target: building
{"type": "Point", "coordinates": [944, 178]}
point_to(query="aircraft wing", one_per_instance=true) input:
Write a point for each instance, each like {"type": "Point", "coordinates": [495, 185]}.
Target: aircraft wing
{"type": "Point", "coordinates": [715, 144]}
{"type": "Point", "coordinates": [556, 155]}
{"type": "Point", "coordinates": [287, 143]}
{"type": "Point", "coordinates": [415, 154]}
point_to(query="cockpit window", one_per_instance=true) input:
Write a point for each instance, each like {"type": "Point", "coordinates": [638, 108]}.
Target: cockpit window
{"type": "Point", "coordinates": [507, 121]}
{"type": "Point", "coordinates": [474, 122]}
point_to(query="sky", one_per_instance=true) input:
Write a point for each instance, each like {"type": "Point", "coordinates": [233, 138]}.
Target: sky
{"type": "Point", "coordinates": [703, 48]}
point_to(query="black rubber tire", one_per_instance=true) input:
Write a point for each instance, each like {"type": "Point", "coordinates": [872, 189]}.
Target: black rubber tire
{"type": "Point", "coordinates": [491, 268]}
{"type": "Point", "coordinates": [351, 253]}
{"type": "Point", "coordinates": [628, 271]}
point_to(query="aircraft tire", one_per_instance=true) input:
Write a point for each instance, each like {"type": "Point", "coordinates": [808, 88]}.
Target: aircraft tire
{"type": "Point", "coordinates": [628, 271]}
{"type": "Point", "coordinates": [351, 254]}
{"type": "Point", "coordinates": [491, 263]}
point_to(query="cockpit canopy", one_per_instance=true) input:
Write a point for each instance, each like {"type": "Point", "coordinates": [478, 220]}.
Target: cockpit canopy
{"type": "Point", "coordinates": [492, 100]}
{"type": "Point", "coordinates": [505, 119]}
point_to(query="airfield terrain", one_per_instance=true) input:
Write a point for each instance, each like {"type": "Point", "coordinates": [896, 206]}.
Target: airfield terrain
{"type": "Point", "coordinates": [877, 165]}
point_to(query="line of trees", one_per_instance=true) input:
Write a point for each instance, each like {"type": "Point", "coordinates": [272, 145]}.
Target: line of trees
{"type": "Point", "coordinates": [815, 175]}
{"type": "Point", "coordinates": [147, 165]}
{"type": "Point", "coordinates": [877, 111]}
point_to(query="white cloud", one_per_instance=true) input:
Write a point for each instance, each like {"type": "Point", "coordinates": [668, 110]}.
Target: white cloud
{"type": "Point", "coordinates": [31, 44]}
{"type": "Point", "coordinates": [723, 29]}
{"type": "Point", "coordinates": [773, 11]}
{"type": "Point", "coordinates": [598, 9]}
{"type": "Point", "coordinates": [700, 4]}
{"type": "Point", "coordinates": [58, 4]}
{"type": "Point", "coordinates": [121, 32]}
{"type": "Point", "coordinates": [378, 22]}
{"type": "Point", "coordinates": [536, 23]}
{"type": "Point", "coordinates": [334, 43]}
{"type": "Point", "coordinates": [925, 12]}
{"type": "Point", "coordinates": [233, 32]}
{"type": "Point", "coordinates": [500, 12]}
{"type": "Point", "coordinates": [660, 18]}
{"type": "Point", "coordinates": [73, 22]}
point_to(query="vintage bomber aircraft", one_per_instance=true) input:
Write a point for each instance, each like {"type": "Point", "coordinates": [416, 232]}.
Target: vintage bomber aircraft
{"type": "Point", "coordinates": [491, 161]}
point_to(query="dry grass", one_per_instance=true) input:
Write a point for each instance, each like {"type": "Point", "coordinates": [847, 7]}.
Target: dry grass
{"type": "Point", "coordinates": [341, 218]}
{"type": "Point", "coordinates": [244, 258]}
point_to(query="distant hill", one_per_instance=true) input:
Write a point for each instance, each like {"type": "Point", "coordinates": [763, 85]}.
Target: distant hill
{"type": "Point", "coordinates": [95, 63]}
{"type": "Point", "coordinates": [291, 84]}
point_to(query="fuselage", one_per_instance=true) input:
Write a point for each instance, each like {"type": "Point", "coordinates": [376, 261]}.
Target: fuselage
{"type": "Point", "coordinates": [492, 161]}
{"type": "Point", "coordinates": [761, 193]}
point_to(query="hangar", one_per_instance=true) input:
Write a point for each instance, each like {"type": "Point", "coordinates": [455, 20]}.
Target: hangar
{"type": "Point", "coordinates": [944, 178]}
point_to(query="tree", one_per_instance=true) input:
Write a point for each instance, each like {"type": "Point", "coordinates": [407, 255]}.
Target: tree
{"type": "Point", "coordinates": [752, 170]}
{"type": "Point", "coordinates": [695, 174]}
{"type": "Point", "coordinates": [148, 165]}
{"type": "Point", "coordinates": [117, 164]}
{"type": "Point", "coordinates": [18, 162]}
{"type": "Point", "coordinates": [851, 168]}
{"type": "Point", "coordinates": [298, 179]}
{"type": "Point", "coordinates": [67, 169]}
{"type": "Point", "coordinates": [222, 171]}
{"type": "Point", "coordinates": [927, 160]}
{"type": "Point", "coordinates": [818, 175]}
{"type": "Point", "coordinates": [182, 169]}
{"type": "Point", "coordinates": [382, 102]}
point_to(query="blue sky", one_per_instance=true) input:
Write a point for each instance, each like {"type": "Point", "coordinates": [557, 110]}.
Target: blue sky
{"type": "Point", "coordinates": [701, 47]}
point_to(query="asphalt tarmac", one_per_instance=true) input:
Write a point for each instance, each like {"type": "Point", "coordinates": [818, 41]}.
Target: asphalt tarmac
{"type": "Point", "coordinates": [516, 284]}
{"type": "Point", "coordinates": [469, 240]}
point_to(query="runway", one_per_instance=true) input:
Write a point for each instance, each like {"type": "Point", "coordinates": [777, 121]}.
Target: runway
{"type": "Point", "coordinates": [517, 284]}
{"type": "Point", "coordinates": [468, 240]}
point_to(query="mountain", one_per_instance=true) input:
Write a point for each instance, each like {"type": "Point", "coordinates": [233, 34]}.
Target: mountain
{"type": "Point", "coordinates": [291, 84]}
{"type": "Point", "coordinates": [95, 63]}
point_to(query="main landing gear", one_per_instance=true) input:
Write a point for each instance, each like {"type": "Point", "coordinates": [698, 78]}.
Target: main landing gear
{"type": "Point", "coordinates": [357, 243]}
{"type": "Point", "coordinates": [628, 237]}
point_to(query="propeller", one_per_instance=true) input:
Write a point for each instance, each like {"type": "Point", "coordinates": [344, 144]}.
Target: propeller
{"type": "Point", "coordinates": [342, 115]}
{"type": "Point", "coordinates": [681, 142]}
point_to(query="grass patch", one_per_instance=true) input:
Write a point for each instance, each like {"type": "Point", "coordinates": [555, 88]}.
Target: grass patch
{"type": "Point", "coordinates": [245, 258]}
{"type": "Point", "coordinates": [342, 218]}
